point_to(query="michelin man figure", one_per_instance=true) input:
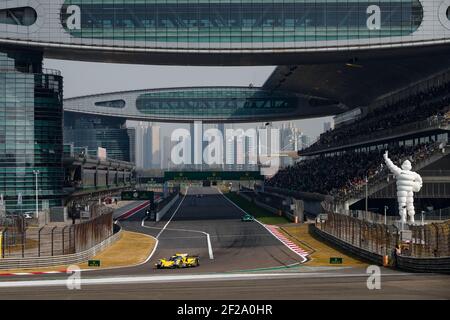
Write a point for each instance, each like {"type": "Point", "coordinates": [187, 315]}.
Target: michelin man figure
{"type": "Point", "coordinates": [408, 182]}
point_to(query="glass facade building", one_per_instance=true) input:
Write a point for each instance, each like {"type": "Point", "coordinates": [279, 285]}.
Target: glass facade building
{"type": "Point", "coordinates": [240, 21]}
{"type": "Point", "coordinates": [92, 132]}
{"type": "Point", "coordinates": [207, 104]}
{"type": "Point", "coordinates": [216, 102]}
{"type": "Point", "coordinates": [226, 32]}
{"type": "Point", "coordinates": [31, 132]}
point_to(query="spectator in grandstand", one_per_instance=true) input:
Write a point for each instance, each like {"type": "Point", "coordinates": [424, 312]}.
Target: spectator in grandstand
{"type": "Point", "coordinates": [342, 174]}
{"type": "Point", "coordinates": [432, 105]}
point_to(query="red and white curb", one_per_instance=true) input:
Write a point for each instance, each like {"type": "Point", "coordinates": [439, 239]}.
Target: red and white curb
{"type": "Point", "coordinates": [31, 273]}
{"type": "Point", "coordinates": [133, 211]}
{"type": "Point", "coordinates": [277, 234]}
{"type": "Point", "coordinates": [274, 230]}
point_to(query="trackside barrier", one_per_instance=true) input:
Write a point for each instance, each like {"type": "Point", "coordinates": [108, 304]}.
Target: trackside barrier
{"type": "Point", "coordinates": [412, 264]}
{"type": "Point", "coordinates": [161, 213]}
{"type": "Point", "coordinates": [438, 265]}
{"type": "Point", "coordinates": [275, 211]}
{"type": "Point", "coordinates": [38, 262]}
{"type": "Point", "coordinates": [362, 253]}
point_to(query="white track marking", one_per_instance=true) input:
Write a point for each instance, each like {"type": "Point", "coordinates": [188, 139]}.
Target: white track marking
{"type": "Point", "coordinates": [185, 278]}
{"type": "Point", "coordinates": [304, 259]}
{"type": "Point", "coordinates": [174, 213]}
{"type": "Point", "coordinates": [208, 237]}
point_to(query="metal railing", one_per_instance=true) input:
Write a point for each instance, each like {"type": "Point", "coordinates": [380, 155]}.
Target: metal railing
{"type": "Point", "coordinates": [435, 173]}
{"type": "Point", "coordinates": [436, 215]}
{"type": "Point", "coordinates": [52, 72]}
{"type": "Point", "coordinates": [45, 71]}
{"type": "Point", "coordinates": [61, 260]}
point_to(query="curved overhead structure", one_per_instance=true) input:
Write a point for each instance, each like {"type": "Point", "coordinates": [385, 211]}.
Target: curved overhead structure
{"type": "Point", "coordinates": [208, 104]}
{"type": "Point", "coordinates": [234, 32]}
{"type": "Point", "coordinates": [360, 83]}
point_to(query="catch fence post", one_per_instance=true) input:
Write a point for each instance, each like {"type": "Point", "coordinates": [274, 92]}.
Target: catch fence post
{"type": "Point", "coordinates": [53, 229]}
{"type": "Point", "coordinates": [39, 241]}
{"type": "Point", "coordinates": [63, 230]}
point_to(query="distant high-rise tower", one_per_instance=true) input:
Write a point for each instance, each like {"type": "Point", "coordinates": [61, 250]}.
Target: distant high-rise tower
{"type": "Point", "coordinates": [156, 147]}
{"type": "Point", "coordinates": [166, 149]}
{"type": "Point", "coordinates": [132, 136]}
{"type": "Point", "coordinates": [143, 145]}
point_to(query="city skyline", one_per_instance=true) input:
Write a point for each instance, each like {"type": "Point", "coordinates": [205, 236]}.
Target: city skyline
{"type": "Point", "coordinates": [155, 147]}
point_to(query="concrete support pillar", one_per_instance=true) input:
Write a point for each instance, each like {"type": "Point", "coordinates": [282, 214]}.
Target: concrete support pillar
{"type": "Point", "coordinates": [165, 190]}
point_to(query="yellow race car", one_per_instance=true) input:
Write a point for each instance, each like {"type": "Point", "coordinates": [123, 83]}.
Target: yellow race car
{"type": "Point", "coordinates": [179, 260]}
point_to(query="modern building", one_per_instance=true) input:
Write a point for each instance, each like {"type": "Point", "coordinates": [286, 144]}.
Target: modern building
{"type": "Point", "coordinates": [306, 141]}
{"type": "Point", "coordinates": [224, 32]}
{"type": "Point", "coordinates": [206, 104]}
{"type": "Point", "coordinates": [86, 172]}
{"type": "Point", "coordinates": [132, 137]}
{"type": "Point", "coordinates": [156, 147]}
{"type": "Point", "coordinates": [166, 147]}
{"type": "Point", "coordinates": [314, 43]}
{"type": "Point", "coordinates": [288, 136]}
{"type": "Point", "coordinates": [31, 136]}
{"type": "Point", "coordinates": [143, 143]}
{"type": "Point", "coordinates": [94, 131]}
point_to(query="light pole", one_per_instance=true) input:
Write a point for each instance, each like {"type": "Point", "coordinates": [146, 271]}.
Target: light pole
{"type": "Point", "coordinates": [385, 217]}
{"type": "Point", "coordinates": [36, 173]}
{"type": "Point", "coordinates": [367, 195]}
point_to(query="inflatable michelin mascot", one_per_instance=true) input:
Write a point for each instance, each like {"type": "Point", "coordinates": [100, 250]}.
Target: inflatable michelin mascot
{"type": "Point", "coordinates": [408, 182]}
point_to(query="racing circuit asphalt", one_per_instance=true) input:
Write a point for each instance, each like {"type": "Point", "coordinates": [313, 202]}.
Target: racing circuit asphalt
{"type": "Point", "coordinates": [236, 246]}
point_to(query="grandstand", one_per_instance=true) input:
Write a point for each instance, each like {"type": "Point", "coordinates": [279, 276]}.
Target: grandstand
{"type": "Point", "coordinates": [347, 164]}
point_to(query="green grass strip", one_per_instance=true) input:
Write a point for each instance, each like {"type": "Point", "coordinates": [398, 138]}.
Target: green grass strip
{"type": "Point", "coordinates": [259, 213]}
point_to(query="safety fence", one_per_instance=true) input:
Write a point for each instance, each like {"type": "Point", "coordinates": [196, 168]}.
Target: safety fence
{"type": "Point", "coordinates": [421, 241]}
{"type": "Point", "coordinates": [426, 217]}
{"type": "Point", "coordinates": [18, 241]}
{"type": "Point", "coordinates": [61, 260]}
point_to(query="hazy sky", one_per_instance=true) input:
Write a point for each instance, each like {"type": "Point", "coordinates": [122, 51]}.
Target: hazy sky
{"type": "Point", "coordinates": [84, 78]}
